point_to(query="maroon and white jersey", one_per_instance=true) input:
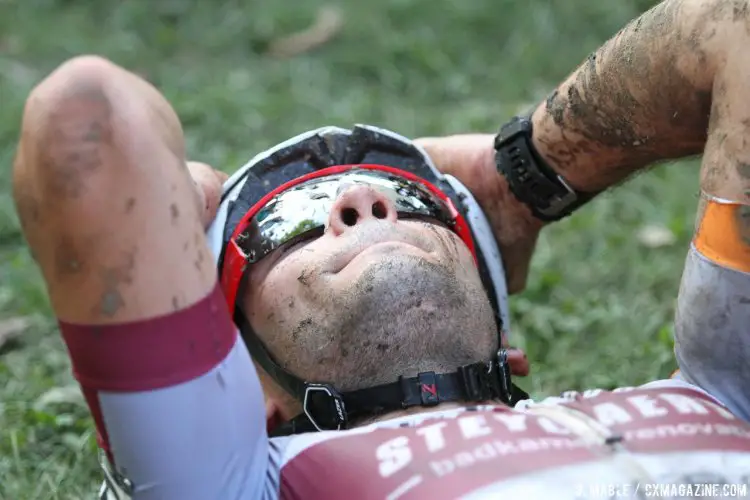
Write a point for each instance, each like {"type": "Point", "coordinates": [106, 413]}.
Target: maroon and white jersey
{"type": "Point", "coordinates": [572, 447]}
{"type": "Point", "coordinates": [578, 446]}
{"type": "Point", "coordinates": [188, 421]}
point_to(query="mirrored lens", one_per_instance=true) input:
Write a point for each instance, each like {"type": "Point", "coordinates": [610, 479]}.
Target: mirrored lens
{"type": "Point", "coordinates": [306, 207]}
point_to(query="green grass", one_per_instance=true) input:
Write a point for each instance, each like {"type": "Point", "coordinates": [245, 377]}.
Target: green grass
{"type": "Point", "coordinates": [598, 309]}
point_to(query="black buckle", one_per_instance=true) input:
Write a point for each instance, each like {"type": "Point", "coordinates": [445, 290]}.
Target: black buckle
{"type": "Point", "coordinates": [503, 375]}
{"type": "Point", "coordinates": [488, 381]}
{"type": "Point", "coordinates": [324, 404]}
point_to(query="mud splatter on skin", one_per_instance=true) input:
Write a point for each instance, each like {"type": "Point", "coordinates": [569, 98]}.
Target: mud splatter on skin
{"type": "Point", "coordinates": [174, 213]}
{"type": "Point", "coordinates": [744, 170]}
{"type": "Point", "coordinates": [78, 129]}
{"type": "Point", "coordinates": [304, 277]}
{"type": "Point", "coordinates": [175, 303]}
{"type": "Point", "coordinates": [68, 260]}
{"type": "Point", "coordinates": [114, 278]}
{"type": "Point", "coordinates": [129, 205]}
{"type": "Point", "coordinates": [199, 260]}
{"type": "Point", "coordinates": [739, 10]}
{"type": "Point", "coordinates": [626, 95]}
{"type": "Point", "coordinates": [556, 108]}
{"type": "Point", "coordinates": [743, 223]}
{"type": "Point", "coordinates": [713, 173]}
{"type": "Point", "coordinates": [300, 328]}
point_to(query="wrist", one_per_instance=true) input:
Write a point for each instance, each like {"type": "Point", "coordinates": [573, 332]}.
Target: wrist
{"type": "Point", "coordinates": [471, 159]}
{"type": "Point", "coordinates": [514, 225]}
{"type": "Point", "coordinates": [500, 199]}
{"type": "Point", "coordinates": [566, 152]}
{"type": "Point", "coordinates": [531, 180]}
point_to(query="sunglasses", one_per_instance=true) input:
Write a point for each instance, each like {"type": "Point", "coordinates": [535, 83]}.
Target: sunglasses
{"type": "Point", "coordinates": [300, 209]}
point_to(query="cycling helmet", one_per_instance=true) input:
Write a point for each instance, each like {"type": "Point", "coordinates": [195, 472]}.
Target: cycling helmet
{"type": "Point", "coordinates": [255, 217]}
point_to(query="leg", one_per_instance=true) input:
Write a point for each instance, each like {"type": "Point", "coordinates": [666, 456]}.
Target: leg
{"type": "Point", "coordinates": [112, 217]}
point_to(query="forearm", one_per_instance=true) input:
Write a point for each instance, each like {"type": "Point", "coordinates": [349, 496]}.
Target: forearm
{"type": "Point", "coordinates": [646, 96]}
{"type": "Point", "coordinates": [674, 83]}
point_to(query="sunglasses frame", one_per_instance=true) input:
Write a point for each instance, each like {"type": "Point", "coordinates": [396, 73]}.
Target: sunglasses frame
{"type": "Point", "coordinates": [235, 260]}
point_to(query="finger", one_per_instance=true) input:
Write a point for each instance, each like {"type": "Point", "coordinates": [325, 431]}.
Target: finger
{"type": "Point", "coordinates": [208, 192]}
{"type": "Point", "coordinates": [223, 176]}
{"type": "Point", "coordinates": [519, 363]}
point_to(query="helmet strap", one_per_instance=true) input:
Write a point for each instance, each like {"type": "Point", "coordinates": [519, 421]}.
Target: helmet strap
{"type": "Point", "coordinates": [326, 408]}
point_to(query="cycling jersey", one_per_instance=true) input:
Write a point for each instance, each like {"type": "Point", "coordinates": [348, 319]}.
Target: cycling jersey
{"type": "Point", "coordinates": [205, 439]}
{"type": "Point", "coordinates": [201, 434]}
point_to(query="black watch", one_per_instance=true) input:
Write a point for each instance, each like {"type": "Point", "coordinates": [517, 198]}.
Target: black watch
{"type": "Point", "coordinates": [530, 179]}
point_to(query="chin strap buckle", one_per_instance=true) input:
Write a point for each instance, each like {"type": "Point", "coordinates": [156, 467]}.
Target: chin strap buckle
{"type": "Point", "coordinates": [324, 407]}
{"type": "Point", "coordinates": [487, 381]}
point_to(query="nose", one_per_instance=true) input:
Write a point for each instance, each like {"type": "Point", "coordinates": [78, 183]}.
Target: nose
{"type": "Point", "coordinates": [357, 204]}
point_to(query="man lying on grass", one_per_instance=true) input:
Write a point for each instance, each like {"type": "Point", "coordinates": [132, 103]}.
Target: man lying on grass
{"type": "Point", "coordinates": [357, 287]}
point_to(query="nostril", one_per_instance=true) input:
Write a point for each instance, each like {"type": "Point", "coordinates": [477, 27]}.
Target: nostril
{"type": "Point", "coordinates": [349, 216]}
{"type": "Point", "coordinates": [379, 210]}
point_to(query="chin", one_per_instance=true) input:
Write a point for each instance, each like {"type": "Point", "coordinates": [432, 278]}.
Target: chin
{"type": "Point", "coordinates": [384, 281]}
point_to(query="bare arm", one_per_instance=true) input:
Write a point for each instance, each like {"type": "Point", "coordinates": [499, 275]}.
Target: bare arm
{"type": "Point", "coordinates": [670, 84]}
{"type": "Point", "coordinates": [674, 82]}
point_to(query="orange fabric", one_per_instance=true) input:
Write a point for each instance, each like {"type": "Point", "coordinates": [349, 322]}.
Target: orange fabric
{"type": "Point", "coordinates": [718, 236]}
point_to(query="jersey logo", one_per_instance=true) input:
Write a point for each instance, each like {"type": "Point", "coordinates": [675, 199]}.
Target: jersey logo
{"type": "Point", "coordinates": [430, 388]}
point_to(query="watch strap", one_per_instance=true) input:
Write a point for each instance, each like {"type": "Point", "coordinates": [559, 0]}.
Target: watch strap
{"type": "Point", "coordinates": [530, 179]}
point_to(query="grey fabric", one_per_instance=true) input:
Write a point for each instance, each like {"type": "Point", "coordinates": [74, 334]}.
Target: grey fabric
{"type": "Point", "coordinates": [712, 331]}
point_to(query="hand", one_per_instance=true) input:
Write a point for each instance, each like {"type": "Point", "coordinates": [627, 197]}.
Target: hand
{"type": "Point", "coordinates": [208, 183]}
{"type": "Point", "coordinates": [471, 159]}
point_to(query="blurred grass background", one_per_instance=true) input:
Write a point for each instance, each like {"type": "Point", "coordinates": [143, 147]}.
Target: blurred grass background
{"type": "Point", "coordinates": [598, 309]}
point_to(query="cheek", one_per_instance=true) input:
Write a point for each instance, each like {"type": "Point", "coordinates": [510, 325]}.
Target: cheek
{"type": "Point", "coordinates": [273, 300]}
{"type": "Point", "coordinates": [460, 255]}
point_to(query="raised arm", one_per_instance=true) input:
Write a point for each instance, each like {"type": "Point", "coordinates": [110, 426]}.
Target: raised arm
{"type": "Point", "coordinates": [672, 83]}
{"type": "Point", "coordinates": [117, 228]}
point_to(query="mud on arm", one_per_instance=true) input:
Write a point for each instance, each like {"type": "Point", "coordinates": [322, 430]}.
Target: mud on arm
{"type": "Point", "coordinates": [672, 83]}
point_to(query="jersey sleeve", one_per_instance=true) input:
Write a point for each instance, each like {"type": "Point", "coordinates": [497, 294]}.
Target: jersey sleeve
{"type": "Point", "coordinates": [201, 439]}
{"type": "Point", "coordinates": [178, 405]}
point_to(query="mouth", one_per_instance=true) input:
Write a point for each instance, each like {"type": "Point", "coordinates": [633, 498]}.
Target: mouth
{"type": "Point", "coordinates": [385, 246]}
